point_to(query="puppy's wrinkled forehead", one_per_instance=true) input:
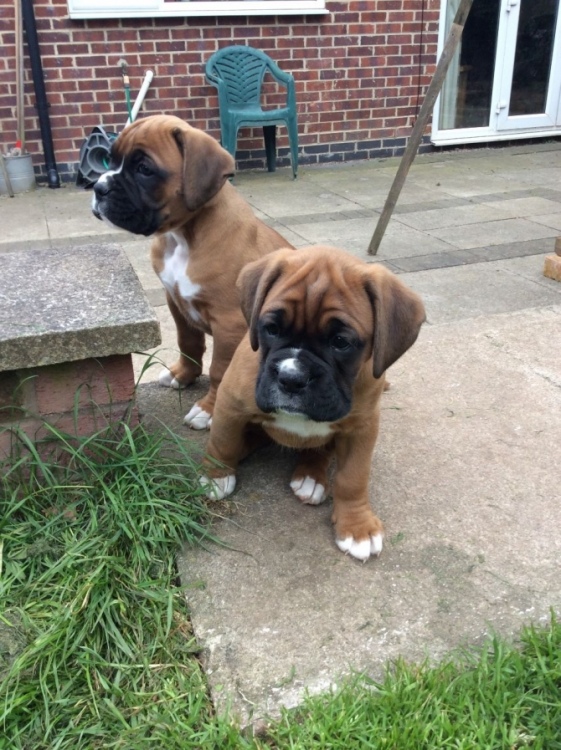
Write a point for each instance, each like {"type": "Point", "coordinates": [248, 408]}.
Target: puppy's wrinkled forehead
{"type": "Point", "coordinates": [153, 136]}
{"type": "Point", "coordinates": [310, 294]}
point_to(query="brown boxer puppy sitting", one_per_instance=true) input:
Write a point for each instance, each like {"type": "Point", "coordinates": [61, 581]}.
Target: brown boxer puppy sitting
{"type": "Point", "coordinates": [323, 328]}
{"type": "Point", "coordinates": [171, 181]}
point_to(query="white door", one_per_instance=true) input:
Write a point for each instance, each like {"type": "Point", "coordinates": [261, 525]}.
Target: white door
{"type": "Point", "coordinates": [505, 79]}
{"type": "Point", "coordinates": [530, 84]}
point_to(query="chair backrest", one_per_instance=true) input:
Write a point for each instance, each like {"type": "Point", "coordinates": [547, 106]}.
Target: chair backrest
{"type": "Point", "coordinates": [241, 70]}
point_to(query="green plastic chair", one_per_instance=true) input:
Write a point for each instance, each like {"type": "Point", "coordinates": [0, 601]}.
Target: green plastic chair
{"type": "Point", "coordinates": [238, 72]}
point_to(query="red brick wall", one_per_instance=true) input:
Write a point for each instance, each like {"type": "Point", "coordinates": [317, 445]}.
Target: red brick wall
{"type": "Point", "coordinates": [360, 75]}
{"type": "Point", "coordinates": [78, 398]}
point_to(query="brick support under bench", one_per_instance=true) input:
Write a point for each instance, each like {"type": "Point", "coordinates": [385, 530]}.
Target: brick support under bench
{"type": "Point", "coordinates": [67, 333]}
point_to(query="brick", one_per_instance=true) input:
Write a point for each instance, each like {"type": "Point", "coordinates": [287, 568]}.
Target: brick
{"type": "Point", "coordinates": [102, 381]}
{"type": "Point", "coordinates": [552, 267]}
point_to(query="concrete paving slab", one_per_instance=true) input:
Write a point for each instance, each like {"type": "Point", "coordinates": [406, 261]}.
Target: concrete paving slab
{"type": "Point", "coordinates": [456, 216]}
{"type": "Point", "coordinates": [464, 477]}
{"type": "Point", "coordinates": [22, 219]}
{"type": "Point", "coordinates": [546, 176]}
{"type": "Point", "coordinates": [492, 233]}
{"type": "Point", "coordinates": [481, 289]}
{"type": "Point", "coordinates": [525, 207]}
{"type": "Point", "coordinates": [466, 184]}
{"type": "Point", "coordinates": [550, 220]}
{"type": "Point", "coordinates": [512, 249]}
{"type": "Point", "coordinates": [355, 235]}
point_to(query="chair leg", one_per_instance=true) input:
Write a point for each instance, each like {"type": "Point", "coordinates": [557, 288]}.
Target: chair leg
{"type": "Point", "coordinates": [228, 137]}
{"type": "Point", "coordinates": [293, 140]}
{"type": "Point", "coordinates": [270, 136]}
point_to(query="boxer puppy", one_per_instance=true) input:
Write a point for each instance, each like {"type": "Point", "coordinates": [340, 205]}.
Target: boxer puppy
{"type": "Point", "coordinates": [323, 328]}
{"type": "Point", "coordinates": [170, 180]}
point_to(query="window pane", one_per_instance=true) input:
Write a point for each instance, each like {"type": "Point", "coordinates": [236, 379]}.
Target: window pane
{"type": "Point", "coordinates": [532, 60]}
{"type": "Point", "coordinates": [466, 95]}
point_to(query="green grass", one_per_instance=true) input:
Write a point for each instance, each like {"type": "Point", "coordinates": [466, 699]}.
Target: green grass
{"type": "Point", "coordinates": [96, 648]}
{"type": "Point", "coordinates": [99, 649]}
{"type": "Point", "coordinates": [501, 698]}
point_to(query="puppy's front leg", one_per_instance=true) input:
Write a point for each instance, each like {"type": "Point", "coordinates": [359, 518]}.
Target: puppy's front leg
{"type": "Point", "coordinates": [191, 343]}
{"type": "Point", "coordinates": [357, 530]}
{"type": "Point", "coordinates": [227, 446]}
{"type": "Point", "coordinates": [226, 338]}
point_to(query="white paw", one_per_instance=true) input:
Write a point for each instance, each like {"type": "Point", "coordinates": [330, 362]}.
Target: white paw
{"type": "Point", "coordinates": [198, 419]}
{"type": "Point", "coordinates": [219, 488]}
{"type": "Point", "coordinates": [166, 379]}
{"type": "Point", "coordinates": [308, 490]}
{"type": "Point", "coordinates": [361, 550]}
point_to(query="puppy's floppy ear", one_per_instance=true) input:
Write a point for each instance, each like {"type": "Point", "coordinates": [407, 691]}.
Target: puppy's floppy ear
{"type": "Point", "coordinates": [398, 316]}
{"type": "Point", "coordinates": [206, 166]}
{"type": "Point", "coordinates": [255, 282]}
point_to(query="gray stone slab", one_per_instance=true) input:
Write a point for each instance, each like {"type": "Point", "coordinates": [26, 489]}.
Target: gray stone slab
{"type": "Point", "coordinates": [430, 205]}
{"type": "Point", "coordinates": [492, 233]}
{"type": "Point", "coordinates": [63, 304]}
{"type": "Point", "coordinates": [466, 180]}
{"type": "Point", "coordinates": [550, 220]}
{"type": "Point", "coordinates": [529, 206]}
{"type": "Point", "coordinates": [293, 198]}
{"type": "Point", "coordinates": [466, 479]}
{"type": "Point", "coordinates": [512, 249]}
{"type": "Point", "coordinates": [433, 261]}
{"type": "Point", "coordinates": [472, 213]}
{"type": "Point", "coordinates": [354, 235]}
{"type": "Point", "coordinates": [23, 218]}
{"type": "Point", "coordinates": [481, 289]}
{"type": "Point", "coordinates": [474, 255]}
{"type": "Point", "coordinates": [546, 177]}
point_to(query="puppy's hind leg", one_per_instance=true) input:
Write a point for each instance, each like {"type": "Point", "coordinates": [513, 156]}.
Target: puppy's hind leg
{"type": "Point", "coordinates": [191, 343]}
{"type": "Point", "coordinates": [310, 477]}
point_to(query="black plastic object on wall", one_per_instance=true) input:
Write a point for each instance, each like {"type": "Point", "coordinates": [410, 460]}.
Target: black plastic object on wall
{"type": "Point", "coordinates": [94, 156]}
{"type": "Point", "coordinates": [30, 27]}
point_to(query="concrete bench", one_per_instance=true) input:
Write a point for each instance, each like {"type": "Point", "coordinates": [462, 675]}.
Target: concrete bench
{"type": "Point", "coordinates": [70, 319]}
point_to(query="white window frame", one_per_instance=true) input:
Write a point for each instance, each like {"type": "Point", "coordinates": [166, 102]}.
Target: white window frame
{"type": "Point", "coordinates": [496, 130]}
{"type": "Point", "coordinates": [84, 9]}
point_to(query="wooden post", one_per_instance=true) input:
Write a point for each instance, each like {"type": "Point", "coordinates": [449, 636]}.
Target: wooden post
{"type": "Point", "coordinates": [454, 36]}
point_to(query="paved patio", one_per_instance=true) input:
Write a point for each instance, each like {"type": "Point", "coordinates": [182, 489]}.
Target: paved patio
{"type": "Point", "coordinates": [466, 474]}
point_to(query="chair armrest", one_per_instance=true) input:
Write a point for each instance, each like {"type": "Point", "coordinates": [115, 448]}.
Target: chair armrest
{"type": "Point", "coordinates": [285, 79]}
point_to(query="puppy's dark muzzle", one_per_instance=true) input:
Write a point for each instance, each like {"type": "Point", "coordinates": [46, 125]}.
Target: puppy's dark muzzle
{"type": "Point", "coordinates": [292, 382]}
{"type": "Point", "coordinates": [102, 188]}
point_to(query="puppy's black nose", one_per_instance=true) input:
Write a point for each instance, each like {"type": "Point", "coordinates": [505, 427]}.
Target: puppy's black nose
{"type": "Point", "coordinates": [292, 381]}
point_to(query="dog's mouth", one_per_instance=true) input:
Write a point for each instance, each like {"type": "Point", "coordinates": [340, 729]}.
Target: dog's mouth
{"type": "Point", "coordinates": [294, 413]}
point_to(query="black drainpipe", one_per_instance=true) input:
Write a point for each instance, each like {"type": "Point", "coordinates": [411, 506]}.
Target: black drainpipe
{"type": "Point", "coordinates": [28, 16]}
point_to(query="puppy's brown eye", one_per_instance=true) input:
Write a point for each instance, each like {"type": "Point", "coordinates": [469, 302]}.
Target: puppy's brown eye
{"type": "Point", "coordinates": [272, 329]}
{"type": "Point", "coordinates": [340, 343]}
{"type": "Point", "coordinates": [144, 169]}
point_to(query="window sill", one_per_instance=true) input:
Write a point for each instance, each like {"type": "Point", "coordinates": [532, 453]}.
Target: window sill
{"type": "Point", "coordinates": [84, 9]}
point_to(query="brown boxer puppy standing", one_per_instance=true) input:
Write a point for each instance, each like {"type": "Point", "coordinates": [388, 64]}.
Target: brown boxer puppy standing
{"type": "Point", "coordinates": [170, 180]}
{"type": "Point", "coordinates": [323, 329]}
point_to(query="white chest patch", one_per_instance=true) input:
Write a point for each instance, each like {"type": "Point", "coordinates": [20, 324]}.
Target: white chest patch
{"type": "Point", "coordinates": [300, 425]}
{"type": "Point", "coordinates": [174, 274]}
